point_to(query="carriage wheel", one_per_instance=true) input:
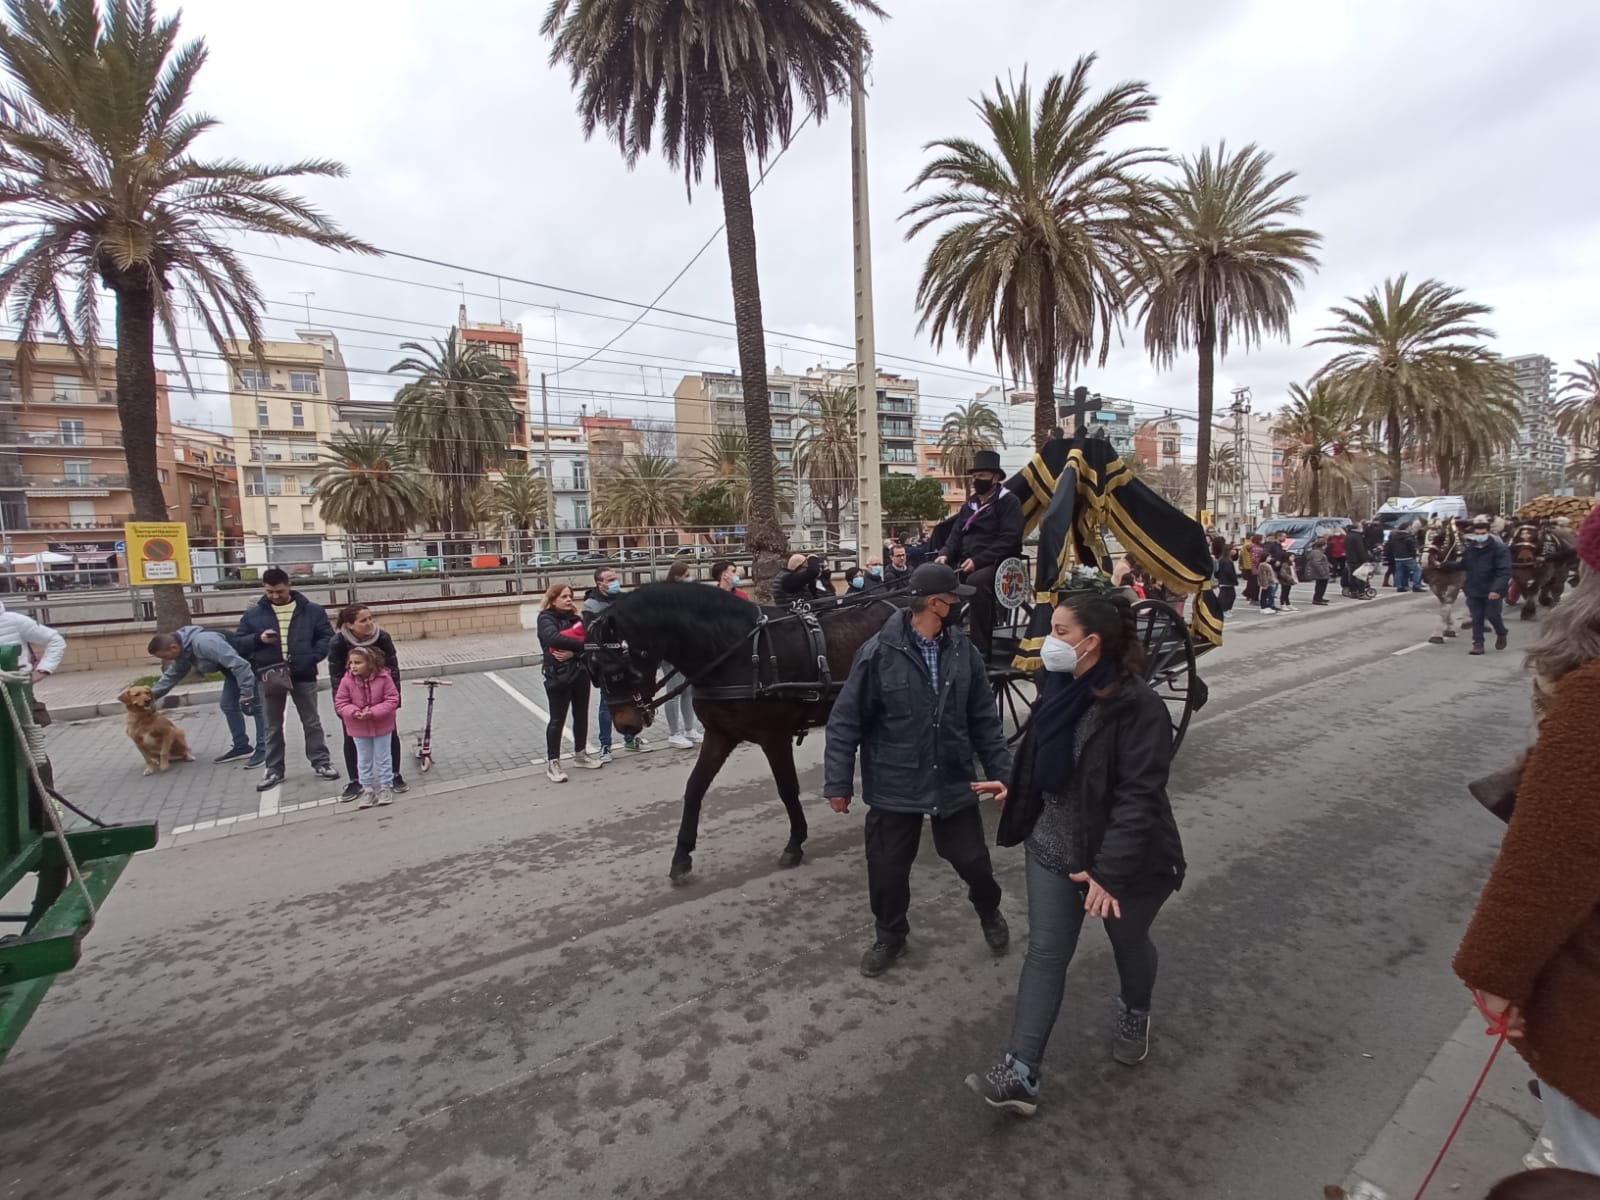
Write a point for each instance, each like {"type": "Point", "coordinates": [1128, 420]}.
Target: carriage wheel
{"type": "Point", "coordinates": [1169, 661]}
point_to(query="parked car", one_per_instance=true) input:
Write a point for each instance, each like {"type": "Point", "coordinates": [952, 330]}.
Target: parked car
{"type": "Point", "coordinates": [1302, 532]}
{"type": "Point", "coordinates": [538, 561]}
{"type": "Point", "coordinates": [574, 557]}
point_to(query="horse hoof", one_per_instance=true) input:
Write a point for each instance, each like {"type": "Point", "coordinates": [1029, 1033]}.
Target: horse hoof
{"type": "Point", "coordinates": [680, 869]}
{"type": "Point", "coordinates": [791, 857]}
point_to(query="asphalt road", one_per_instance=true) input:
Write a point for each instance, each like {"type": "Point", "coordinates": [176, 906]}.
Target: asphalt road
{"type": "Point", "coordinates": [497, 994]}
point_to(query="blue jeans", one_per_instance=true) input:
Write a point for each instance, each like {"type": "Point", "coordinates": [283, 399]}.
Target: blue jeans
{"type": "Point", "coordinates": [605, 726]}
{"type": "Point", "coordinates": [234, 716]}
{"type": "Point", "coordinates": [374, 764]}
{"type": "Point", "coordinates": [1269, 597]}
{"type": "Point", "coordinates": [1055, 919]}
{"type": "Point", "coordinates": [1482, 609]}
{"type": "Point", "coordinates": [1407, 575]}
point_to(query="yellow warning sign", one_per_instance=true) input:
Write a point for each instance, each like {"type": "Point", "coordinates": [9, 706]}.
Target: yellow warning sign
{"type": "Point", "coordinates": [158, 552]}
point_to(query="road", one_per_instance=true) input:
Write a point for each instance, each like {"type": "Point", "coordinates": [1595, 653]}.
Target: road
{"type": "Point", "coordinates": [497, 994]}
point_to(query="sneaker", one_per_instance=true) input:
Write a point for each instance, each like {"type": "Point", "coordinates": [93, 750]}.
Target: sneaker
{"type": "Point", "coordinates": [1436, 640]}
{"type": "Point", "coordinates": [553, 771]}
{"type": "Point", "coordinates": [680, 741]}
{"type": "Point", "coordinates": [1450, 633]}
{"type": "Point", "coordinates": [583, 759]}
{"type": "Point", "coordinates": [352, 790]}
{"type": "Point", "coordinates": [697, 736]}
{"type": "Point", "coordinates": [401, 787]}
{"type": "Point", "coordinates": [636, 746]}
{"type": "Point", "coordinates": [1477, 648]}
{"type": "Point", "coordinates": [996, 932]}
{"type": "Point", "coordinates": [258, 759]}
{"type": "Point", "coordinates": [385, 797]}
{"type": "Point", "coordinates": [269, 781]}
{"type": "Point", "coordinates": [1002, 1086]}
{"type": "Point", "coordinates": [1288, 608]}
{"type": "Point", "coordinates": [368, 799]}
{"type": "Point", "coordinates": [1132, 1044]}
{"type": "Point", "coordinates": [605, 755]}
{"type": "Point", "coordinates": [1500, 641]}
{"type": "Point", "coordinates": [877, 960]}
{"type": "Point", "coordinates": [235, 754]}
{"type": "Point", "coordinates": [326, 771]}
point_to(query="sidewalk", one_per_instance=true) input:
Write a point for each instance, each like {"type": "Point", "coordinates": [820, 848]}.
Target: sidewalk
{"type": "Point", "coordinates": [82, 695]}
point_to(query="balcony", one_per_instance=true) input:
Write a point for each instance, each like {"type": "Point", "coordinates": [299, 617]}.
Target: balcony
{"type": "Point", "coordinates": [896, 404]}
{"type": "Point", "coordinates": [570, 483]}
{"type": "Point", "coordinates": [284, 487]}
{"type": "Point", "coordinates": [45, 396]}
{"type": "Point", "coordinates": [895, 429]}
{"type": "Point", "coordinates": [74, 483]}
{"type": "Point", "coordinates": [48, 438]}
{"type": "Point", "coordinates": [65, 524]}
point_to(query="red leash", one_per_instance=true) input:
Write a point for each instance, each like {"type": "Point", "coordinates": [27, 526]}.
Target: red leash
{"type": "Point", "coordinates": [1499, 1029]}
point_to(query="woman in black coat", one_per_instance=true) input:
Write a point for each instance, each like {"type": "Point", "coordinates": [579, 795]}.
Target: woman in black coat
{"type": "Point", "coordinates": [1226, 572]}
{"type": "Point", "coordinates": [566, 680]}
{"type": "Point", "coordinates": [1088, 797]}
{"type": "Point", "coordinates": [358, 627]}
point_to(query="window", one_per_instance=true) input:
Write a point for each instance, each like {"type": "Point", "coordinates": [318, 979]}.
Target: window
{"type": "Point", "coordinates": [297, 415]}
{"type": "Point", "coordinates": [81, 514]}
{"type": "Point", "coordinates": [261, 414]}
{"type": "Point", "coordinates": [75, 470]}
{"type": "Point", "coordinates": [161, 474]}
{"type": "Point", "coordinates": [784, 455]}
{"type": "Point", "coordinates": [304, 381]}
{"type": "Point", "coordinates": [779, 401]}
{"type": "Point", "coordinates": [254, 381]}
{"type": "Point", "coordinates": [580, 514]}
{"type": "Point", "coordinates": [781, 429]}
{"type": "Point", "coordinates": [580, 475]}
{"type": "Point", "coordinates": [1169, 446]}
{"type": "Point", "coordinates": [66, 389]}
{"type": "Point", "coordinates": [72, 433]}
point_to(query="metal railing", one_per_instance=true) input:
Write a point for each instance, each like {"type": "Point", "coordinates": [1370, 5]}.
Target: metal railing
{"type": "Point", "coordinates": [26, 438]}
{"type": "Point", "coordinates": [46, 483]}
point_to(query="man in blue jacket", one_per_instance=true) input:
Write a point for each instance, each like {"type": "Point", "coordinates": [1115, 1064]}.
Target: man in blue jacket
{"type": "Point", "coordinates": [919, 707]}
{"type": "Point", "coordinates": [195, 648]}
{"type": "Point", "coordinates": [285, 627]}
{"type": "Point", "coordinates": [1487, 563]}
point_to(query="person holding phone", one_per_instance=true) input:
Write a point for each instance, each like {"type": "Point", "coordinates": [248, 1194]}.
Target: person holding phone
{"type": "Point", "coordinates": [285, 637]}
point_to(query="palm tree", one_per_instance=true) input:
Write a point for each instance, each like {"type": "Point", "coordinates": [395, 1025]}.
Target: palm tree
{"type": "Point", "coordinates": [825, 454]}
{"type": "Point", "coordinates": [1408, 353]}
{"type": "Point", "coordinates": [1320, 438]}
{"type": "Point", "coordinates": [968, 429]}
{"type": "Point", "coordinates": [456, 417]}
{"type": "Point", "coordinates": [716, 77]}
{"type": "Point", "coordinates": [1174, 483]}
{"type": "Point", "coordinates": [724, 459]}
{"type": "Point", "coordinates": [518, 499]}
{"type": "Point", "coordinates": [99, 186]}
{"type": "Point", "coordinates": [1467, 433]}
{"type": "Point", "coordinates": [646, 492]}
{"type": "Point", "coordinates": [1227, 269]}
{"type": "Point", "coordinates": [370, 487]}
{"type": "Point", "coordinates": [1048, 225]}
{"type": "Point", "coordinates": [1578, 415]}
{"type": "Point", "coordinates": [1224, 471]}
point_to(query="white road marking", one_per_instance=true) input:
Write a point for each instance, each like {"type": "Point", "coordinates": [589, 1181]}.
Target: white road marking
{"type": "Point", "coordinates": [505, 687]}
{"type": "Point", "coordinates": [1411, 649]}
{"type": "Point", "coordinates": [271, 799]}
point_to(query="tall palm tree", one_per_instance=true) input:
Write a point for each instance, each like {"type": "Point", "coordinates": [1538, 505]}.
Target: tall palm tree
{"type": "Point", "coordinates": [456, 417]}
{"type": "Point", "coordinates": [1467, 433]}
{"type": "Point", "coordinates": [1227, 269]}
{"type": "Point", "coordinates": [724, 459]}
{"type": "Point", "coordinates": [519, 499]}
{"type": "Point", "coordinates": [1320, 438]}
{"type": "Point", "coordinates": [99, 186]}
{"type": "Point", "coordinates": [1407, 353]}
{"type": "Point", "coordinates": [1048, 224]}
{"type": "Point", "coordinates": [720, 78]}
{"type": "Point", "coordinates": [1578, 416]}
{"type": "Point", "coordinates": [369, 486]}
{"type": "Point", "coordinates": [825, 454]}
{"type": "Point", "coordinates": [1224, 471]}
{"type": "Point", "coordinates": [646, 492]}
{"type": "Point", "coordinates": [970, 428]}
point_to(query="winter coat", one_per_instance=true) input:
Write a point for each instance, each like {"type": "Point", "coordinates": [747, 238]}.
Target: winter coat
{"type": "Point", "coordinates": [801, 583]}
{"type": "Point", "coordinates": [205, 650]}
{"type": "Point", "coordinates": [916, 747]}
{"type": "Point", "coordinates": [552, 626]}
{"type": "Point", "coordinates": [310, 637]}
{"type": "Point", "coordinates": [376, 694]}
{"type": "Point", "coordinates": [1535, 936]}
{"type": "Point", "coordinates": [1286, 575]}
{"type": "Point", "coordinates": [19, 629]}
{"type": "Point", "coordinates": [1336, 546]}
{"type": "Point", "coordinates": [1126, 830]}
{"type": "Point", "coordinates": [1487, 567]}
{"type": "Point", "coordinates": [596, 602]}
{"type": "Point", "coordinates": [1355, 549]}
{"type": "Point", "coordinates": [339, 655]}
{"type": "Point", "coordinates": [1317, 565]}
{"type": "Point", "coordinates": [1227, 575]}
{"type": "Point", "coordinates": [894, 577]}
{"type": "Point", "coordinates": [1402, 543]}
{"type": "Point", "coordinates": [987, 534]}
{"type": "Point", "coordinates": [1266, 574]}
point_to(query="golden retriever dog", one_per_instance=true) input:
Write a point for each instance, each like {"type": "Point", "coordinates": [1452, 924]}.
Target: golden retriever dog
{"type": "Point", "coordinates": [155, 734]}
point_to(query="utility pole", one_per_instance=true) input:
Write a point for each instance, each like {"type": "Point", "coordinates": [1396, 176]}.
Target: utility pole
{"type": "Point", "coordinates": [1241, 469]}
{"type": "Point", "coordinates": [549, 471]}
{"type": "Point", "coordinates": [869, 487]}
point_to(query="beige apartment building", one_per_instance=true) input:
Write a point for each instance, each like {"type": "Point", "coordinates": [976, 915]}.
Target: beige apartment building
{"type": "Point", "coordinates": [63, 472]}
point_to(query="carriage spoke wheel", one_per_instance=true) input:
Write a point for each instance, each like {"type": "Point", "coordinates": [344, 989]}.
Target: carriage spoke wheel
{"type": "Point", "coordinates": [1169, 661]}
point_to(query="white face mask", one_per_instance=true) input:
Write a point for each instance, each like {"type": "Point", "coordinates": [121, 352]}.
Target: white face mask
{"type": "Point", "coordinates": [1058, 656]}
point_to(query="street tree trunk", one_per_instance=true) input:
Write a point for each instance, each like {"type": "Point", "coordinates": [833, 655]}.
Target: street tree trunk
{"type": "Point", "coordinates": [1207, 342]}
{"type": "Point", "coordinates": [1045, 418]}
{"type": "Point", "coordinates": [1392, 434]}
{"type": "Point", "coordinates": [765, 536]}
{"type": "Point", "coordinates": [1316, 488]}
{"type": "Point", "coordinates": [136, 409]}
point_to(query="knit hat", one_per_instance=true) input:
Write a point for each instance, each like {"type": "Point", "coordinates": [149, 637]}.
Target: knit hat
{"type": "Point", "coordinates": [1589, 539]}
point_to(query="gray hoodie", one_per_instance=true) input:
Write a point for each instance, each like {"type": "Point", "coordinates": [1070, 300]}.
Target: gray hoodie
{"type": "Point", "coordinates": [205, 650]}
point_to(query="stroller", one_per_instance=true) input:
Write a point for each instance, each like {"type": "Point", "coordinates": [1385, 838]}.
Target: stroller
{"type": "Point", "coordinates": [1357, 584]}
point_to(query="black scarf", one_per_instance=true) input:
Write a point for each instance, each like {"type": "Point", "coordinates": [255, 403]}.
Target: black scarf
{"type": "Point", "coordinates": [1062, 702]}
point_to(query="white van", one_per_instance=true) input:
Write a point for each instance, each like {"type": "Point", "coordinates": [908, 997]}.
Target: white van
{"type": "Point", "coordinates": [1405, 510]}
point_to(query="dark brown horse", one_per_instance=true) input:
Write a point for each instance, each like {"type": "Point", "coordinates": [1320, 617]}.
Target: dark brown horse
{"type": "Point", "coordinates": [755, 674]}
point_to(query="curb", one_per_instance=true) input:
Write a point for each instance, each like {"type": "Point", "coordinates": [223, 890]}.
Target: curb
{"type": "Point", "coordinates": [210, 693]}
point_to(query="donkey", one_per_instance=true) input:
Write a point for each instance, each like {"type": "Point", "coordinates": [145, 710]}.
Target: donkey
{"type": "Point", "coordinates": [1443, 572]}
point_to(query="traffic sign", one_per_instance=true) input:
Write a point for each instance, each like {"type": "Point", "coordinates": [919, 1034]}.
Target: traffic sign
{"type": "Point", "coordinates": [160, 553]}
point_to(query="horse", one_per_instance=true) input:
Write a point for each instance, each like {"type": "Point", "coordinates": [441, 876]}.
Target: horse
{"type": "Point", "coordinates": [1533, 568]}
{"type": "Point", "coordinates": [759, 675]}
{"type": "Point", "coordinates": [1560, 547]}
{"type": "Point", "coordinates": [1444, 573]}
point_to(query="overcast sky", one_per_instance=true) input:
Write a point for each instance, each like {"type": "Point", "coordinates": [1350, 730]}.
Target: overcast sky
{"type": "Point", "coordinates": [1451, 140]}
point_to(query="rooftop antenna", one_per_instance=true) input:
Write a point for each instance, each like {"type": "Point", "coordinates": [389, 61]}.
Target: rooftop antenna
{"type": "Point", "coordinates": [306, 297]}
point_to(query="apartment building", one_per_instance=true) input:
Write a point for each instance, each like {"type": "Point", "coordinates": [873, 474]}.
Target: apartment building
{"type": "Point", "coordinates": [1159, 443]}
{"type": "Point", "coordinates": [1539, 448]}
{"type": "Point", "coordinates": [571, 468]}
{"type": "Point", "coordinates": [208, 489]}
{"type": "Point", "coordinates": [504, 341]}
{"type": "Point", "coordinates": [63, 471]}
{"type": "Point", "coordinates": [931, 466]}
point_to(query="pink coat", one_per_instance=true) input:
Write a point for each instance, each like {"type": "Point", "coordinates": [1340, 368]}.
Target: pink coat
{"type": "Point", "coordinates": [377, 693]}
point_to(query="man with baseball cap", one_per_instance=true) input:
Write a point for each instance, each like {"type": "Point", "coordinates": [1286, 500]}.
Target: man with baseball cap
{"type": "Point", "coordinates": [918, 707]}
{"type": "Point", "coordinates": [1486, 561]}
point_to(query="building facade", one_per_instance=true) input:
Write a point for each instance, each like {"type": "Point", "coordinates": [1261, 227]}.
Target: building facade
{"type": "Point", "coordinates": [570, 465]}
{"type": "Point", "coordinates": [1159, 443]}
{"type": "Point", "coordinates": [504, 341]}
{"type": "Point", "coordinates": [1539, 448]}
{"type": "Point", "coordinates": [63, 470]}
{"type": "Point", "coordinates": [208, 490]}
{"type": "Point", "coordinates": [931, 466]}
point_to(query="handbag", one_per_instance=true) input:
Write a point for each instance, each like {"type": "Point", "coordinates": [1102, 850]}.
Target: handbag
{"type": "Point", "coordinates": [1498, 792]}
{"type": "Point", "coordinates": [276, 680]}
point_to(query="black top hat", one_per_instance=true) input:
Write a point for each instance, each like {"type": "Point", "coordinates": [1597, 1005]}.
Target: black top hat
{"type": "Point", "coordinates": [936, 579]}
{"type": "Point", "coordinates": [987, 460]}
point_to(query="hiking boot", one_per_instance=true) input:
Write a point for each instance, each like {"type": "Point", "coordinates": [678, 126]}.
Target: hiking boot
{"type": "Point", "coordinates": [368, 799]}
{"type": "Point", "coordinates": [1132, 1042]}
{"type": "Point", "coordinates": [235, 754]}
{"type": "Point", "coordinates": [269, 781]}
{"type": "Point", "coordinates": [553, 771]}
{"type": "Point", "coordinates": [352, 790]}
{"type": "Point", "coordinates": [876, 960]}
{"type": "Point", "coordinates": [1002, 1086]}
{"type": "Point", "coordinates": [1500, 641]}
{"type": "Point", "coordinates": [1436, 640]}
{"type": "Point", "coordinates": [996, 932]}
{"type": "Point", "coordinates": [1477, 648]}
{"type": "Point", "coordinates": [583, 759]}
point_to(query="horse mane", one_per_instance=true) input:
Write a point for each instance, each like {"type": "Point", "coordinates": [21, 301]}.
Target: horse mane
{"type": "Point", "coordinates": [697, 620]}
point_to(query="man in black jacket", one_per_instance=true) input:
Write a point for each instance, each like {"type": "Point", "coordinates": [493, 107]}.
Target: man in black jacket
{"type": "Point", "coordinates": [988, 530]}
{"type": "Point", "coordinates": [917, 705]}
{"type": "Point", "coordinates": [285, 627]}
{"type": "Point", "coordinates": [1355, 557]}
{"type": "Point", "coordinates": [897, 571]}
{"type": "Point", "coordinates": [1401, 551]}
{"type": "Point", "coordinates": [802, 579]}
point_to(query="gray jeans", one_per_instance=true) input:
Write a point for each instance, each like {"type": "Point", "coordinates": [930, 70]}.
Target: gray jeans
{"type": "Point", "coordinates": [305, 703]}
{"type": "Point", "coordinates": [680, 709]}
{"type": "Point", "coordinates": [1055, 919]}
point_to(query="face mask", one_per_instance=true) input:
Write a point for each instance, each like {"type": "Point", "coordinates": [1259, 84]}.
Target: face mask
{"type": "Point", "coordinates": [953, 618]}
{"type": "Point", "coordinates": [1477, 537]}
{"type": "Point", "coordinates": [858, 582]}
{"type": "Point", "coordinates": [613, 588]}
{"type": "Point", "coordinates": [735, 581]}
{"type": "Point", "coordinates": [877, 572]}
{"type": "Point", "coordinates": [1058, 656]}
{"type": "Point", "coordinates": [982, 487]}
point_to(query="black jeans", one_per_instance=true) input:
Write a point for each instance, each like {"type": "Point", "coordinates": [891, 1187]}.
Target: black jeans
{"type": "Point", "coordinates": [350, 754]}
{"type": "Point", "coordinates": [980, 610]}
{"type": "Point", "coordinates": [1055, 921]}
{"type": "Point", "coordinates": [892, 842]}
{"type": "Point", "coordinates": [1319, 591]}
{"type": "Point", "coordinates": [565, 698]}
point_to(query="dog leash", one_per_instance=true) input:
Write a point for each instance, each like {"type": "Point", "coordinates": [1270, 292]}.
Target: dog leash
{"type": "Point", "coordinates": [1499, 1029]}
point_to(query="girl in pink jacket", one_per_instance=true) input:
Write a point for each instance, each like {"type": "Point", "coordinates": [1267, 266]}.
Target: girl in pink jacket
{"type": "Point", "coordinates": [366, 702]}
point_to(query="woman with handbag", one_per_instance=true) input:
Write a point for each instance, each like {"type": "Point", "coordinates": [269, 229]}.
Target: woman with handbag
{"type": "Point", "coordinates": [566, 680]}
{"type": "Point", "coordinates": [1088, 798]}
{"type": "Point", "coordinates": [1532, 951]}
